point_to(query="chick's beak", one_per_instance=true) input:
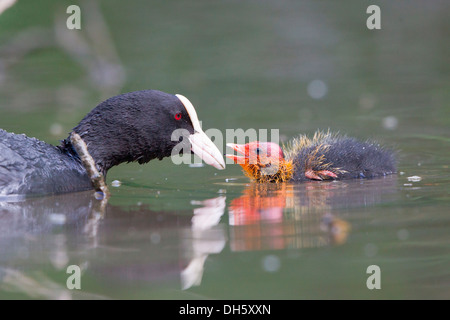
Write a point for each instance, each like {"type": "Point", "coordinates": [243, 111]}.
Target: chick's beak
{"type": "Point", "coordinates": [240, 148]}
{"type": "Point", "coordinates": [203, 147]}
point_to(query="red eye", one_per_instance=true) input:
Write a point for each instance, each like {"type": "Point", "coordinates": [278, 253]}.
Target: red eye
{"type": "Point", "coordinates": [178, 116]}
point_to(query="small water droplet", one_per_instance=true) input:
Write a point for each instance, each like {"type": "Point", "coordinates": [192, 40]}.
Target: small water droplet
{"type": "Point", "coordinates": [99, 195]}
{"type": "Point", "coordinates": [414, 178]}
{"type": "Point", "coordinates": [116, 183]}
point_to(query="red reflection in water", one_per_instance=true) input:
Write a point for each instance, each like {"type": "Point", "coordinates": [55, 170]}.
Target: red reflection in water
{"type": "Point", "coordinates": [269, 216]}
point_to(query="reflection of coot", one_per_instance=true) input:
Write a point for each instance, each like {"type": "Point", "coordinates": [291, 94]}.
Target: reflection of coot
{"type": "Point", "coordinates": [135, 126]}
{"type": "Point", "coordinates": [37, 215]}
{"type": "Point", "coordinates": [132, 245]}
{"type": "Point", "coordinates": [325, 156]}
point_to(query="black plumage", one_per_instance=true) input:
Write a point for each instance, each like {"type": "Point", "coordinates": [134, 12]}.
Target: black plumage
{"type": "Point", "coordinates": [135, 126]}
{"type": "Point", "coordinates": [347, 157]}
{"type": "Point", "coordinates": [31, 166]}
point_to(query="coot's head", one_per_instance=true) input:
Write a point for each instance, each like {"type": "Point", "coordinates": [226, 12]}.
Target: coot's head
{"type": "Point", "coordinates": [262, 161]}
{"type": "Point", "coordinates": [139, 126]}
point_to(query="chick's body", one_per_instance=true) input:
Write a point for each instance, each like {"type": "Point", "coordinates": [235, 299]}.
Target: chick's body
{"type": "Point", "coordinates": [346, 157]}
{"type": "Point", "coordinates": [326, 156]}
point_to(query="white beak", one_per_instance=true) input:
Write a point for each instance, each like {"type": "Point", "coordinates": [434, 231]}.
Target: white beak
{"type": "Point", "coordinates": [203, 147]}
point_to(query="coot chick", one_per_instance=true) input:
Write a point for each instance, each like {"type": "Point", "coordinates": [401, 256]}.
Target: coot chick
{"type": "Point", "coordinates": [326, 156]}
{"type": "Point", "coordinates": [135, 126]}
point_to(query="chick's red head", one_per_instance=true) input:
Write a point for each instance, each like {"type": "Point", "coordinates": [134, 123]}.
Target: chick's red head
{"type": "Point", "coordinates": [261, 161]}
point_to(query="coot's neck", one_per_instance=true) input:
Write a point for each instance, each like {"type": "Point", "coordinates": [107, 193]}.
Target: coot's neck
{"type": "Point", "coordinates": [109, 149]}
{"type": "Point", "coordinates": [67, 148]}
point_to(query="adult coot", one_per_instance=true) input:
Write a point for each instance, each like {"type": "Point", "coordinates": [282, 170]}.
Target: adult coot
{"type": "Point", "coordinates": [326, 156]}
{"type": "Point", "coordinates": [135, 126]}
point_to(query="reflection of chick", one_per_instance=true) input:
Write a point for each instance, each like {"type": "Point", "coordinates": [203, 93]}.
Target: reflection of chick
{"type": "Point", "coordinates": [276, 216]}
{"type": "Point", "coordinates": [258, 204]}
{"type": "Point", "coordinates": [326, 156]}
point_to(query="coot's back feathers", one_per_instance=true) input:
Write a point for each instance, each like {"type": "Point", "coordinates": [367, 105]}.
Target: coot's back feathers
{"type": "Point", "coordinates": [31, 166]}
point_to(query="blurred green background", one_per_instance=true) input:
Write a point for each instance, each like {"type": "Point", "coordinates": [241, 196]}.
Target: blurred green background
{"type": "Point", "coordinates": [244, 64]}
{"type": "Point", "coordinates": [296, 66]}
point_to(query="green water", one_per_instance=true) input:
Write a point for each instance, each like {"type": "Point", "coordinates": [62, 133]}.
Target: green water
{"type": "Point", "coordinates": [180, 232]}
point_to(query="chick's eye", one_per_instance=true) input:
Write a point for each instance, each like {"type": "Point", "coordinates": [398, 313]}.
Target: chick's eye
{"type": "Point", "coordinates": [178, 116]}
{"type": "Point", "coordinates": [258, 151]}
